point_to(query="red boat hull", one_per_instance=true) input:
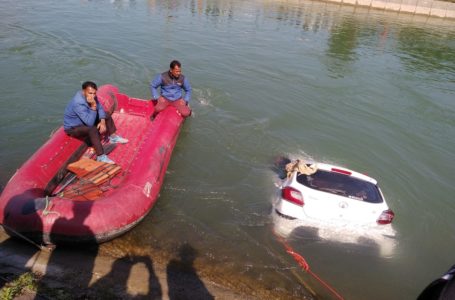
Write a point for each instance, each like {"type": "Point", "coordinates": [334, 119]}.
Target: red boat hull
{"type": "Point", "coordinates": [25, 209]}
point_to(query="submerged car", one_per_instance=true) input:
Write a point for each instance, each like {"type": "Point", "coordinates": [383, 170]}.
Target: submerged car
{"type": "Point", "coordinates": [339, 202]}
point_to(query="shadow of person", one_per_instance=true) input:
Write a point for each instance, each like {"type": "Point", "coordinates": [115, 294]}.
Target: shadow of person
{"type": "Point", "coordinates": [16, 258]}
{"type": "Point", "coordinates": [115, 284]}
{"type": "Point", "coordinates": [20, 218]}
{"type": "Point", "coordinates": [19, 254]}
{"type": "Point", "coordinates": [182, 279]}
{"type": "Point", "coordinates": [75, 256]}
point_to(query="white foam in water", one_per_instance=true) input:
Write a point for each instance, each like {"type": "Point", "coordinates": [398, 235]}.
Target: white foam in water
{"type": "Point", "coordinates": [383, 237]}
{"type": "Point", "coordinates": [203, 97]}
{"type": "Point", "coordinates": [204, 101]}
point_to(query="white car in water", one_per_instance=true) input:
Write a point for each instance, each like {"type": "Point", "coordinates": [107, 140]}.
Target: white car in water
{"type": "Point", "coordinates": [339, 203]}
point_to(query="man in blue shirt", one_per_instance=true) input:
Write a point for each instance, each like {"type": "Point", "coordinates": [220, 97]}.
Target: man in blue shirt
{"type": "Point", "coordinates": [85, 118]}
{"type": "Point", "coordinates": [172, 83]}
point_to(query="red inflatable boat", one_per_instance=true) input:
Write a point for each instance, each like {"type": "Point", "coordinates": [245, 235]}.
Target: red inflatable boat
{"type": "Point", "coordinates": [41, 202]}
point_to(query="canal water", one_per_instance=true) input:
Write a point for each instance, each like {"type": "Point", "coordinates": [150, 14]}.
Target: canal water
{"type": "Point", "coordinates": [365, 89]}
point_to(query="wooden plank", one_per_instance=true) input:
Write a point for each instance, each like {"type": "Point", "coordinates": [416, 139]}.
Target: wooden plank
{"type": "Point", "coordinates": [84, 166]}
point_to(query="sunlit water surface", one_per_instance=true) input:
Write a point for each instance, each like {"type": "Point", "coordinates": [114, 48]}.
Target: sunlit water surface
{"type": "Point", "coordinates": [368, 90]}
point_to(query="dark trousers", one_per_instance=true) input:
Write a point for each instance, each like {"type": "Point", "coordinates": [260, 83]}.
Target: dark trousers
{"type": "Point", "coordinates": [91, 134]}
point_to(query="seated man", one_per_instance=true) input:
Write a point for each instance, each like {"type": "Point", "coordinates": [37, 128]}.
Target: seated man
{"type": "Point", "coordinates": [85, 118]}
{"type": "Point", "coordinates": [172, 83]}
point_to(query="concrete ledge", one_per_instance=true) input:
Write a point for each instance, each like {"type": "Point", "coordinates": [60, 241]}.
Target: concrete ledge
{"type": "Point", "coordinates": [378, 4]}
{"type": "Point", "coordinates": [408, 6]}
{"type": "Point", "coordinates": [423, 7]}
{"type": "Point", "coordinates": [450, 11]}
{"type": "Point", "coordinates": [394, 5]}
{"type": "Point", "coordinates": [351, 2]}
{"type": "Point", "coordinates": [433, 8]}
{"type": "Point", "coordinates": [439, 9]}
{"type": "Point", "coordinates": [364, 2]}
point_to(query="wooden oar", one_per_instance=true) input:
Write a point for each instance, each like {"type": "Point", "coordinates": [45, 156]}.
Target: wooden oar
{"type": "Point", "coordinates": [85, 189]}
{"type": "Point", "coordinates": [103, 175]}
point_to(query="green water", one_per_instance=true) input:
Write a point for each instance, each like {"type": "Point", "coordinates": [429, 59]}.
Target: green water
{"type": "Point", "coordinates": [368, 90]}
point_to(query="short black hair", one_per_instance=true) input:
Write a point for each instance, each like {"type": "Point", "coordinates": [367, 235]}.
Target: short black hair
{"type": "Point", "coordinates": [175, 63]}
{"type": "Point", "coordinates": [89, 84]}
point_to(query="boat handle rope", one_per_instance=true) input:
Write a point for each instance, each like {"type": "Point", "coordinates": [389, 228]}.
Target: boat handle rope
{"type": "Point", "coordinates": [47, 212]}
{"type": "Point", "coordinates": [41, 247]}
{"type": "Point", "coordinates": [306, 267]}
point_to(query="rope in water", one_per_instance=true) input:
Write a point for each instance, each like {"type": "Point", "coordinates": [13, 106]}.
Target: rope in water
{"type": "Point", "coordinates": [305, 266]}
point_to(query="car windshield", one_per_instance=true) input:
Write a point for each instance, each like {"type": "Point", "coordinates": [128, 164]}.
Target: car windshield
{"type": "Point", "coordinates": [342, 185]}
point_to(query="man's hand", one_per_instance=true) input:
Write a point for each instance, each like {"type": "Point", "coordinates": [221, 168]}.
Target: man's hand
{"type": "Point", "coordinates": [101, 126]}
{"type": "Point", "coordinates": [92, 104]}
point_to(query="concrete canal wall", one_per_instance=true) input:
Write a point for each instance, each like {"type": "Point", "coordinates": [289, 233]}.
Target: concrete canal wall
{"type": "Point", "coordinates": [435, 8]}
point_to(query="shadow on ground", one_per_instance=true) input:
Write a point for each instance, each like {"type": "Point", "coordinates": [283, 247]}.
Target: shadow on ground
{"type": "Point", "coordinates": [79, 273]}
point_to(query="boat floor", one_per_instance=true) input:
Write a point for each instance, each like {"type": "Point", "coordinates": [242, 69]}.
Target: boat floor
{"type": "Point", "coordinates": [133, 128]}
{"type": "Point", "coordinates": [129, 126]}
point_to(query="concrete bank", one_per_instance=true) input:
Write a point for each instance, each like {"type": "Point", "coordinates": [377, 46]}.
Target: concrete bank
{"type": "Point", "coordinates": [430, 8]}
{"type": "Point", "coordinates": [82, 276]}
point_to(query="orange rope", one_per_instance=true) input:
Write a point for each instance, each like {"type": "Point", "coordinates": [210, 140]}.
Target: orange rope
{"type": "Point", "coordinates": [305, 266]}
